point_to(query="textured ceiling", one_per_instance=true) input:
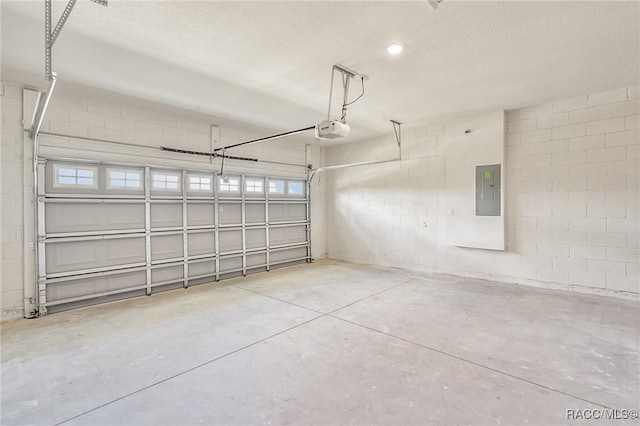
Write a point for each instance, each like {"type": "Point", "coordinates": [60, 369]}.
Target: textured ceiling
{"type": "Point", "coordinates": [268, 63]}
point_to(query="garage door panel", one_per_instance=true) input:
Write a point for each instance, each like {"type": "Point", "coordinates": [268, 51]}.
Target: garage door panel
{"type": "Point", "coordinates": [283, 212]}
{"type": "Point", "coordinates": [230, 241]}
{"type": "Point", "coordinates": [200, 214]}
{"type": "Point", "coordinates": [255, 213]}
{"type": "Point", "coordinates": [230, 214]}
{"type": "Point", "coordinates": [256, 238]}
{"type": "Point", "coordinates": [296, 211]}
{"type": "Point", "coordinates": [87, 286]}
{"type": "Point", "coordinates": [96, 300]}
{"type": "Point", "coordinates": [168, 287]}
{"type": "Point", "coordinates": [256, 259]}
{"type": "Point", "coordinates": [82, 255]}
{"type": "Point", "coordinates": [277, 212]}
{"type": "Point", "coordinates": [62, 257]}
{"type": "Point", "coordinates": [202, 268]}
{"type": "Point", "coordinates": [288, 254]}
{"type": "Point", "coordinates": [72, 217]}
{"type": "Point", "coordinates": [296, 234]}
{"type": "Point", "coordinates": [124, 250]}
{"type": "Point", "coordinates": [230, 264]}
{"type": "Point", "coordinates": [287, 235]}
{"type": "Point", "coordinates": [124, 216]}
{"type": "Point", "coordinates": [169, 273]}
{"type": "Point", "coordinates": [201, 243]}
{"type": "Point", "coordinates": [166, 215]}
{"type": "Point", "coordinates": [166, 247]}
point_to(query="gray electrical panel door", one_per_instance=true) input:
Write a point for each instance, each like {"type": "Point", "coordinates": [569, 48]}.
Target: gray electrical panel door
{"type": "Point", "coordinates": [488, 190]}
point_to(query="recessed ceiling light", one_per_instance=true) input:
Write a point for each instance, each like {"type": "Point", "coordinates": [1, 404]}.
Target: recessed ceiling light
{"type": "Point", "coordinates": [395, 48]}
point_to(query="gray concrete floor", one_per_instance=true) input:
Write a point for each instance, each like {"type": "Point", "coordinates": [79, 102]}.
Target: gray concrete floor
{"type": "Point", "coordinates": [326, 344]}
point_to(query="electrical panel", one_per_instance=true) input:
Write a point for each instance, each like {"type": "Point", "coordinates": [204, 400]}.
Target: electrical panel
{"type": "Point", "coordinates": [488, 190]}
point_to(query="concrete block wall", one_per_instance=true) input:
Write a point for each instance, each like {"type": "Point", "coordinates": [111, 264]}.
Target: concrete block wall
{"type": "Point", "coordinates": [11, 201]}
{"type": "Point", "coordinates": [573, 167]}
{"type": "Point", "coordinates": [91, 113]}
{"type": "Point", "coordinates": [572, 175]}
{"type": "Point", "coordinates": [86, 112]}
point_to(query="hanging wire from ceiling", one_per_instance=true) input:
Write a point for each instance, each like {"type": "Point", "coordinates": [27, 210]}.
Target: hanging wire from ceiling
{"type": "Point", "coordinates": [346, 75]}
{"type": "Point", "coordinates": [361, 94]}
{"type": "Point", "coordinates": [345, 104]}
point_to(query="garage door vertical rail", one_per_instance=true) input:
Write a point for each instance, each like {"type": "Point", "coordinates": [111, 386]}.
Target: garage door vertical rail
{"type": "Point", "coordinates": [185, 235]}
{"type": "Point", "coordinates": [147, 228]}
{"type": "Point", "coordinates": [41, 237]}
{"type": "Point", "coordinates": [243, 218]}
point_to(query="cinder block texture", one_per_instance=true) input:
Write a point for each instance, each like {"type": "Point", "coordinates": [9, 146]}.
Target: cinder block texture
{"type": "Point", "coordinates": [146, 126]}
{"type": "Point", "coordinates": [571, 200]}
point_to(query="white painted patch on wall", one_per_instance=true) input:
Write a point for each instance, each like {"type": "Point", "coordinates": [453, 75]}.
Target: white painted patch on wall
{"type": "Point", "coordinates": [473, 141]}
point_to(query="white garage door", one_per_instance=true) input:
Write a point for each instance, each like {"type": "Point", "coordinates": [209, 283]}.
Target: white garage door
{"type": "Point", "coordinates": [114, 231]}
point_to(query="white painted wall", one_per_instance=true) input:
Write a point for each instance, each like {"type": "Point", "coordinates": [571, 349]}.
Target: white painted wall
{"type": "Point", "coordinates": [571, 202]}
{"type": "Point", "coordinates": [477, 140]}
{"type": "Point", "coordinates": [84, 112]}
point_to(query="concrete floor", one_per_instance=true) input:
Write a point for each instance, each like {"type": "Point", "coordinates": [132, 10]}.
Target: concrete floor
{"type": "Point", "coordinates": [326, 344]}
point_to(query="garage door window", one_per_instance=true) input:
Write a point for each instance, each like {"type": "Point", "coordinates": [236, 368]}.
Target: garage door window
{"type": "Point", "coordinates": [295, 188]}
{"type": "Point", "coordinates": [75, 176]}
{"type": "Point", "coordinates": [254, 186]}
{"type": "Point", "coordinates": [200, 183]}
{"type": "Point", "coordinates": [124, 179]}
{"type": "Point", "coordinates": [229, 184]}
{"type": "Point", "coordinates": [276, 187]}
{"type": "Point", "coordinates": [165, 181]}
